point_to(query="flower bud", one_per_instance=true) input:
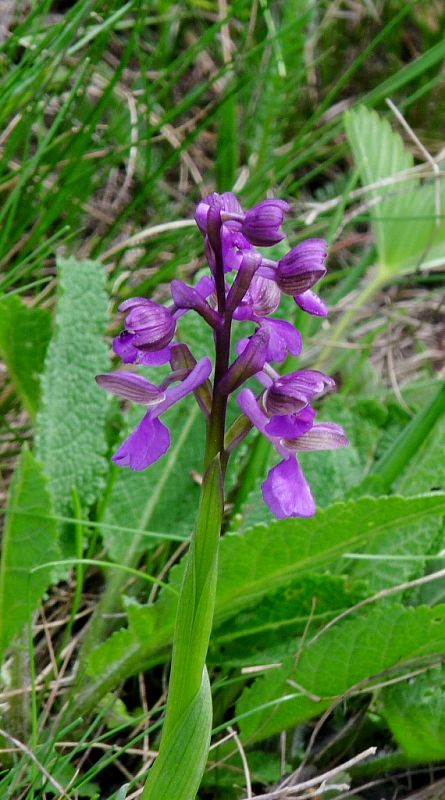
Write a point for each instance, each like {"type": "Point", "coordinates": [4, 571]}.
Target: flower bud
{"type": "Point", "coordinates": [151, 325]}
{"type": "Point", "coordinates": [226, 202]}
{"type": "Point", "coordinates": [291, 393]}
{"type": "Point", "coordinates": [251, 361]}
{"type": "Point", "coordinates": [262, 223]}
{"type": "Point", "coordinates": [310, 302]}
{"type": "Point", "coordinates": [263, 296]}
{"type": "Point", "coordinates": [302, 266]}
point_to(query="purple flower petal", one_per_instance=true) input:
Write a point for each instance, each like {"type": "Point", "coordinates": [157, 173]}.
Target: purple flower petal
{"type": "Point", "coordinates": [284, 339]}
{"type": "Point", "coordinates": [124, 347]}
{"type": "Point", "coordinates": [246, 271]}
{"type": "Point", "coordinates": [302, 266]}
{"type": "Point", "coordinates": [287, 492]}
{"type": "Point", "coordinates": [249, 406]}
{"type": "Point", "coordinates": [145, 445]}
{"type": "Point", "coordinates": [310, 302]}
{"type": "Point", "coordinates": [262, 223]}
{"type": "Point", "coordinates": [324, 436]}
{"type": "Point", "coordinates": [290, 393]}
{"type": "Point", "coordinates": [234, 245]}
{"type": "Point", "coordinates": [227, 202]}
{"type": "Point", "coordinates": [261, 299]}
{"type": "Point", "coordinates": [196, 378]}
{"type": "Point", "coordinates": [153, 325]}
{"type": "Point", "coordinates": [292, 425]}
{"type": "Point", "coordinates": [251, 361]}
{"type": "Point", "coordinates": [131, 387]}
{"type": "Point", "coordinates": [187, 297]}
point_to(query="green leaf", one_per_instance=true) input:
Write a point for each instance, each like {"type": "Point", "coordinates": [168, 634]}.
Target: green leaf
{"type": "Point", "coordinates": [415, 712]}
{"type": "Point", "coordinates": [70, 426]}
{"type": "Point", "coordinates": [285, 613]}
{"type": "Point", "coordinates": [178, 770]}
{"type": "Point", "coordinates": [339, 661]}
{"type": "Point", "coordinates": [143, 500]}
{"type": "Point", "coordinates": [411, 541]}
{"type": "Point", "coordinates": [426, 472]}
{"type": "Point", "coordinates": [402, 213]}
{"type": "Point", "coordinates": [24, 337]}
{"type": "Point", "coordinates": [29, 541]}
{"type": "Point", "coordinates": [253, 565]}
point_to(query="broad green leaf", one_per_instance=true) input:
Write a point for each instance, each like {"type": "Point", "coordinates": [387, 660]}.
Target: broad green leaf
{"type": "Point", "coordinates": [415, 712]}
{"type": "Point", "coordinates": [402, 213]}
{"type": "Point", "coordinates": [410, 542]}
{"type": "Point", "coordinates": [178, 770]}
{"type": "Point", "coordinates": [339, 661]}
{"type": "Point", "coordinates": [29, 541]}
{"type": "Point", "coordinates": [24, 337]}
{"type": "Point", "coordinates": [163, 498]}
{"type": "Point", "coordinates": [253, 565]}
{"type": "Point", "coordinates": [70, 426]}
{"type": "Point", "coordinates": [285, 613]}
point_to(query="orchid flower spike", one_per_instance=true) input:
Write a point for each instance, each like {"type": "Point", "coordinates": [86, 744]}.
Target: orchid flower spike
{"type": "Point", "coordinates": [243, 286]}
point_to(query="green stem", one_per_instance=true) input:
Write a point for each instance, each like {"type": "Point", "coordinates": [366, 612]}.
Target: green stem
{"type": "Point", "coordinates": [185, 741]}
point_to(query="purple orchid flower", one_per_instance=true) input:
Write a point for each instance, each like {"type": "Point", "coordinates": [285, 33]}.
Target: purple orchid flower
{"type": "Point", "coordinates": [151, 439]}
{"type": "Point", "coordinates": [286, 490]}
{"type": "Point", "coordinates": [284, 412]}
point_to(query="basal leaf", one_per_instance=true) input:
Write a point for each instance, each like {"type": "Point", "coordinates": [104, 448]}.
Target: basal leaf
{"type": "Point", "coordinates": [402, 213]}
{"type": "Point", "coordinates": [29, 541]}
{"type": "Point", "coordinates": [24, 337]}
{"type": "Point", "coordinates": [415, 712]}
{"type": "Point", "coordinates": [255, 564]}
{"type": "Point", "coordinates": [338, 661]}
{"type": "Point", "coordinates": [285, 613]}
{"type": "Point", "coordinates": [411, 541]}
{"type": "Point", "coordinates": [70, 427]}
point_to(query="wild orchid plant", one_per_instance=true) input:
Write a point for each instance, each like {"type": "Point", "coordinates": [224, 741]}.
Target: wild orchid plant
{"type": "Point", "coordinates": [243, 285]}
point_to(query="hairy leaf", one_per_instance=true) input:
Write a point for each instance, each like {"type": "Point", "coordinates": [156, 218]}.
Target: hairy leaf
{"type": "Point", "coordinates": [24, 337]}
{"type": "Point", "coordinates": [29, 540]}
{"type": "Point", "coordinates": [415, 712]}
{"type": "Point", "coordinates": [255, 564]}
{"type": "Point", "coordinates": [402, 213]}
{"type": "Point", "coordinates": [337, 662]}
{"type": "Point", "coordinates": [70, 426]}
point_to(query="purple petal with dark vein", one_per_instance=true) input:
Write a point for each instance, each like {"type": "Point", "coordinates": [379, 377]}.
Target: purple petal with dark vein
{"type": "Point", "coordinates": [310, 302]}
{"type": "Point", "coordinates": [154, 358]}
{"type": "Point", "coordinates": [324, 436]}
{"type": "Point", "coordinates": [292, 425]}
{"type": "Point", "coordinates": [131, 387]}
{"type": "Point", "coordinates": [133, 302]}
{"type": "Point", "coordinates": [286, 491]}
{"type": "Point", "coordinates": [196, 378]}
{"type": "Point", "coordinates": [284, 339]}
{"type": "Point", "coordinates": [145, 445]}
